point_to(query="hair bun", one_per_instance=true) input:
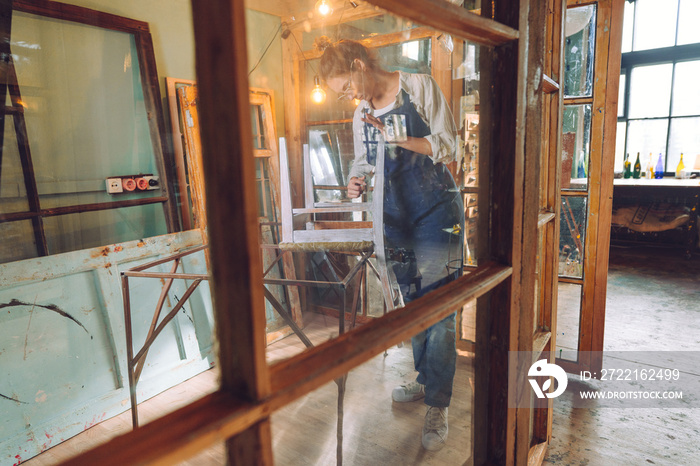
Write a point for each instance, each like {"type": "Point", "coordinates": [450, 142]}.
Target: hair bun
{"type": "Point", "coordinates": [321, 43]}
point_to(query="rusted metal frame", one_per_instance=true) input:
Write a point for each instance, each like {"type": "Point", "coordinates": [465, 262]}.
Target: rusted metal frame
{"type": "Point", "coordinates": [186, 276]}
{"type": "Point", "coordinates": [156, 315]}
{"type": "Point", "coordinates": [132, 361]}
{"type": "Point", "coordinates": [166, 320]}
{"type": "Point", "coordinates": [276, 261]}
{"type": "Point", "coordinates": [179, 255]}
{"type": "Point", "coordinates": [79, 208]}
{"type": "Point", "coordinates": [224, 414]}
{"type": "Point", "coordinates": [287, 318]}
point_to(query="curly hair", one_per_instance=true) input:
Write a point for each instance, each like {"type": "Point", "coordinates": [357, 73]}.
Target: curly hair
{"type": "Point", "coordinates": [338, 57]}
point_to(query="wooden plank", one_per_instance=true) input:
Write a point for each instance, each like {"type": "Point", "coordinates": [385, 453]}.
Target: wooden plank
{"type": "Point", "coordinates": [536, 454]}
{"type": "Point", "coordinates": [79, 14]}
{"type": "Point", "coordinates": [613, 25]}
{"type": "Point", "coordinates": [178, 151]}
{"type": "Point", "coordinates": [447, 17]}
{"type": "Point", "coordinates": [549, 86]}
{"type": "Point", "coordinates": [162, 148]}
{"type": "Point", "coordinates": [544, 218]}
{"type": "Point", "coordinates": [220, 47]}
{"type": "Point", "coordinates": [554, 66]}
{"type": "Point", "coordinates": [599, 184]}
{"type": "Point", "coordinates": [539, 343]}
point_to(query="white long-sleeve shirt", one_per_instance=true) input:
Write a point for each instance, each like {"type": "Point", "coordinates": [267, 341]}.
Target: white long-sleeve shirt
{"type": "Point", "coordinates": [431, 106]}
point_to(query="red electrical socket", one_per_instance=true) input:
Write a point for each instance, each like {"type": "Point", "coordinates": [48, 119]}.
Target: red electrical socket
{"type": "Point", "coordinates": [129, 184]}
{"type": "Point", "coordinates": [142, 184]}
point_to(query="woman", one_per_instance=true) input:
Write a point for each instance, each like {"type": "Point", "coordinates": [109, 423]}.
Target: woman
{"type": "Point", "coordinates": [423, 210]}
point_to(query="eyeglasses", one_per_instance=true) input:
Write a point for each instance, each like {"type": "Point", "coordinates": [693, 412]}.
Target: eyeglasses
{"type": "Point", "coordinates": [346, 91]}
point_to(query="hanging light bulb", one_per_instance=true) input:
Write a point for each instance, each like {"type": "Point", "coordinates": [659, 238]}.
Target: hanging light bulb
{"type": "Point", "coordinates": [356, 102]}
{"type": "Point", "coordinates": [323, 7]}
{"type": "Point", "coordinates": [318, 95]}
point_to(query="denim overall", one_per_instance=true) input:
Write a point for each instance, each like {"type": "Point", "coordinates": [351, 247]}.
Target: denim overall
{"type": "Point", "coordinates": [422, 207]}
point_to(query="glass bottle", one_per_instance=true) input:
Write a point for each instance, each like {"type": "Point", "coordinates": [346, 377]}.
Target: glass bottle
{"type": "Point", "coordinates": [627, 166]}
{"type": "Point", "coordinates": [637, 168]}
{"type": "Point", "coordinates": [680, 167]}
{"type": "Point", "coordinates": [649, 173]}
{"type": "Point", "coordinates": [659, 170]}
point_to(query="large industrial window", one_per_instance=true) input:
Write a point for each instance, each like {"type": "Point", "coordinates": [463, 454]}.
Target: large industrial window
{"type": "Point", "coordinates": [659, 108]}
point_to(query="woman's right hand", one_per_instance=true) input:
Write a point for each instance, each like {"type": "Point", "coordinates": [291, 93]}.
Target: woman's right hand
{"type": "Point", "coordinates": [356, 186]}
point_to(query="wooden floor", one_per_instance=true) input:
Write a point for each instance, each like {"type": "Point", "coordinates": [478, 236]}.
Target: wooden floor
{"type": "Point", "coordinates": [653, 304]}
{"type": "Point", "coordinates": [376, 430]}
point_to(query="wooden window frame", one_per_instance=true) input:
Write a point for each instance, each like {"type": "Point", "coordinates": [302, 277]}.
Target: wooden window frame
{"type": "Point", "coordinates": [251, 390]}
{"type": "Point", "coordinates": [151, 90]}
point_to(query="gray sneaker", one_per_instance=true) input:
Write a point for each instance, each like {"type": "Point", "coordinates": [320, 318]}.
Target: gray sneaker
{"type": "Point", "coordinates": [409, 392]}
{"type": "Point", "coordinates": [435, 428]}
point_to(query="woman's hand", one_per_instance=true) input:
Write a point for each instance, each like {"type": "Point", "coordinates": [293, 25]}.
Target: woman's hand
{"type": "Point", "coordinates": [356, 186]}
{"type": "Point", "coordinates": [374, 121]}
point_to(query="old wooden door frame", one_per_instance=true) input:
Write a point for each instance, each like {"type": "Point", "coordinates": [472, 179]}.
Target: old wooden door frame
{"type": "Point", "coordinates": [239, 413]}
{"type": "Point", "coordinates": [606, 76]}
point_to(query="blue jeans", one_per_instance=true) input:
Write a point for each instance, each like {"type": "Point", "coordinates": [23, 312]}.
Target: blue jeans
{"type": "Point", "coordinates": [435, 359]}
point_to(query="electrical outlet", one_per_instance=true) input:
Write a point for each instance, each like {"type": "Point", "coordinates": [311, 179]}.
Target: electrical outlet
{"type": "Point", "coordinates": [114, 185]}
{"type": "Point", "coordinates": [150, 183]}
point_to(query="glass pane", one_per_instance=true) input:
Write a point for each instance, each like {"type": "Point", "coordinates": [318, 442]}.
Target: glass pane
{"type": "Point", "coordinates": [17, 241]}
{"type": "Point", "coordinates": [572, 235]}
{"type": "Point", "coordinates": [686, 95]}
{"type": "Point", "coordinates": [650, 91]}
{"type": "Point", "coordinates": [621, 96]}
{"type": "Point", "coordinates": [375, 429]}
{"type": "Point", "coordinates": [424, 216]}
{"type": "Point", "coordinates": [576, 141]}
{"type": "Point", "coordinates": [628, 27]}
{"type": "Point", "coordinates": [538, 279]}
{"type": "Point", "coordinates": [262, 177]}
{"type": "Point", "coordinates": [684, 138]}
{"type": "Point", "coordinates": [580, 49]}
{"type": "Point", "coordinates": [688, 31]}
{"type": "Point", "coordinates": [85, 109]}
{"type": "Point", "coordinates": [331, 155]}
{"type": "Point", "coordinates": [645, 136]}
{"type": "Point", "coordinates": [13, 192]}
{"type": "Point", "coordinates": [91, 229]}
{"type": "Point", "coordinates": [655, 27]}
{"type": "Point", "coordinates": [257, 117]}
{"type": "Point", "coordinates": [620, 146]}
{"type": "Point", "coordinates": [568, 320]}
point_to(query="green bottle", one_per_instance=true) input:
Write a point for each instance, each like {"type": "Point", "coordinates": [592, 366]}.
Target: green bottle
{"type": "Point", "coordinates": [627, 172]}
{"type": "Point", "coordinates": [637, 168]}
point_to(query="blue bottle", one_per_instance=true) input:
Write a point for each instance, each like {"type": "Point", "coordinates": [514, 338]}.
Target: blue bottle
{"type": "Point", "coordinates": [659, 170]}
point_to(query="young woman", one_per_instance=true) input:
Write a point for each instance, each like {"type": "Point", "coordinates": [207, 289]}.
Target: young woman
{"type": "Point", "coordinates": [423, 210]}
